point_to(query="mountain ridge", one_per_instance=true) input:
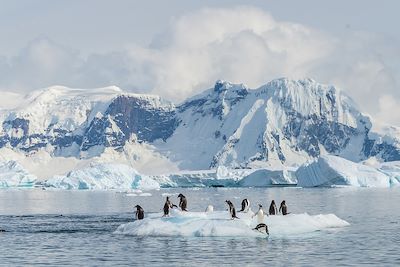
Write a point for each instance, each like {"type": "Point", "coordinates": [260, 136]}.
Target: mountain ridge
{"type": "Point", "coordinates": [282, 123]}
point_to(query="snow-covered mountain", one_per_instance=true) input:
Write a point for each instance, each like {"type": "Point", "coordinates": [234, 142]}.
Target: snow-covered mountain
{"type": "Point", "coordinates": [282, 123]}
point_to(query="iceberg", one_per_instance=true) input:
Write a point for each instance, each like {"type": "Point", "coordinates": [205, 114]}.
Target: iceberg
{"type": "Point", "coordinates": [12, 174]}
{"type": "Point", "coordinates": [219, 224]}
{"type": "Point", "coordinates": [391, 169]}
{"type": "Point", "coordinates": [331, 170]}
{"type": "Point", "coordinates": [221, 177]}
{"type": "Point", "coordinates": [103, 176]}
{"type": "Point", "coordinates": [265, 177]}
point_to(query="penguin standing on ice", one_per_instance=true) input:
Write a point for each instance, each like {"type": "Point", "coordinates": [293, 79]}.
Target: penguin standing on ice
{"type": "Point", "coordinates": [283, 208]}
{"type": "Point", "coordinates": [167, 205]}
{"type": "Point", "coordinates": [245, 205]}
{"type": "Point", "coordinates": [232, 209]}
{"type": "Point", "coordinates": [182, 202]}
{"type": "Point", "coordinates": [139, 212]}
{"type": "Point", "coordinates": [259, 214]}
{"type": "Point", "coordinates": [273, 210]}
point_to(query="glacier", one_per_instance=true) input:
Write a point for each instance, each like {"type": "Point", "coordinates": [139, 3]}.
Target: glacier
{"type": "Point", "coordinates": [12, 174]}
{"type": "Point", "coordinates": [219, 224]}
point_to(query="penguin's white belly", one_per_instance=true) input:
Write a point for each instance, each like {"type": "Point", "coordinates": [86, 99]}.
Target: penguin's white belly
{"type": "Point", "coordinates": [210, 208]}
{"type": "Point", "coordinates": [260, 217]}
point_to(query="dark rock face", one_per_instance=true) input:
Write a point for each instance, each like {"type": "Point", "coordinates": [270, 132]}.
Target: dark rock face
{"type": "Point", "coordinates": [212, 103]}
{"type": "Point", "coordinates": [132, 116]}
{"type": "Point", "coordinates": [125, 116]}
{"type": "Point", "coordinates": [311, 131]}
{"type": "Point", "coordinates": [31, 142]}
{"type": "Point", "coordinates": [384, 150]}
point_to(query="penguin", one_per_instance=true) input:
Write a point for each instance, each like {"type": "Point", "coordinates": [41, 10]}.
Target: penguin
{"type": "Point", "coordinates": [182, 202]}
{"type": "Point", "coordinates": [283, 208]}
{"type": "Point", "coordinates": [245, 205]}
{"type": "Point", "coordinates": [273, 210]}
{"type": "Point", "coordinates": [139, 212]}
{"type": "Point", "coordinates": [167, 205]}
{"type": "Point", "coordinates": [262, 227]}
{"type": "Point", "coordinates": [2, 230]}
{"type": "Point", "coordinates": [210, 208]}
{"type": "Point", "coordinates": [259, 214]}
{"type": "Point", "coordinates": [232, 210]}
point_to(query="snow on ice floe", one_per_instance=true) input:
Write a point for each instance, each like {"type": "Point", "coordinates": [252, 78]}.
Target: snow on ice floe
{"type": "Point", "coordinates": [219, 224]}
{"type": "Point", "coordinates": [103, 176]}
{"type": "Point", "coordinates": [331, 170]}
{"type": "Point", "coordinates": [13, 174]}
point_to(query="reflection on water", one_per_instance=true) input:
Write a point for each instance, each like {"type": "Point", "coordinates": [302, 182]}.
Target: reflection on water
{"type": "Point", "coordinates": [76, 228]}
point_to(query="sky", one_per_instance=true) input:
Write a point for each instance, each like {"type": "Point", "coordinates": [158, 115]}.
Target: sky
{"type": "Point", "coordinates": [179, 48]}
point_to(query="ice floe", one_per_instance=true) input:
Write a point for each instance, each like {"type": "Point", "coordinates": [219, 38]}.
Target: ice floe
{"type": "Point", "coordinates": [219, 224]}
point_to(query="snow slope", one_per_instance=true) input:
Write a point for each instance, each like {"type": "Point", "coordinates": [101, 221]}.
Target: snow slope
{"type": "Point", "coordinates": [219, 224]}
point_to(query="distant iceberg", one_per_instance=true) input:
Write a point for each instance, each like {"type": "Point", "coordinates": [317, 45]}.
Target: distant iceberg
{"type": "Point", "coordinates": [331, 170]}
{"type": "Point", "coordinates": [265, 177]}
{"type": "Point", "coordinates": [219, 224]}
{"type": "Point", "coordinates": [326, 171]}
{"type": "Point", "coordinates": [12, 174]}
{"type": "Point", "coordinates": [103, 176]}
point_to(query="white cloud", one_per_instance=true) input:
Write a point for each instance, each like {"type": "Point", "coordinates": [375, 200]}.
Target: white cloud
{"type": "Point", "coordinates": [241, 44]}
{"type": "Point", "coordinates": [388, 110]}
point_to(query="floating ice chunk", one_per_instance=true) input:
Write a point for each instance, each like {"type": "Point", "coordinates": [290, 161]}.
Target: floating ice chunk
{"type": "Point", "coordinates": [104, 176]}
{"type": "Point", "coordinates": [391, 169]}
{"type": "Point", "coordinates": [330, 170]}
{"type": "Point", "coordinates": [265, 177]}
{"type": "Point", "coordinates": [219, 224]}
{"type": "Point", "coordinates": [13, 174]}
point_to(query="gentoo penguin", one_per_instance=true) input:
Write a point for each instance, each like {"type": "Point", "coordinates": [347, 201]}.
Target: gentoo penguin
{"type": "Point", "coordinates": [262, 227]}
{"type": "Point", "coordinates": [232, 210]}
{"type": "Point", "coordinates": [168, 205]}
{"type": "Point", "coordinates": [259, 214]}
{"type": "Point", "coordinates": [245, 205]}
{"type": "Point", "coordinates": [139, 212]}
{"type": "Point", "coordinates": [182, 202]}
{"type": "Point", "coordinates": [283, 208]}
{"type": "Point", "coordinates": [210, 208]}
{"type": "Point", "coordinates": [273, 210]}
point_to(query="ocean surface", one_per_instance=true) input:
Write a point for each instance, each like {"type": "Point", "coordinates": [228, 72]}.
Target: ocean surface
{"type": "Point", "coordinates": [76, 228]}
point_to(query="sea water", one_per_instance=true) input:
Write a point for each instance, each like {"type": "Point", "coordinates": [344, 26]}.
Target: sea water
{"type": "Point", "coordinates": [78, 228]}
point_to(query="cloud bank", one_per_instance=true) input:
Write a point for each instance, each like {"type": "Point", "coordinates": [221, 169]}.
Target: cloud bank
{"type": "Point", "coordinates": [240, 44]}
